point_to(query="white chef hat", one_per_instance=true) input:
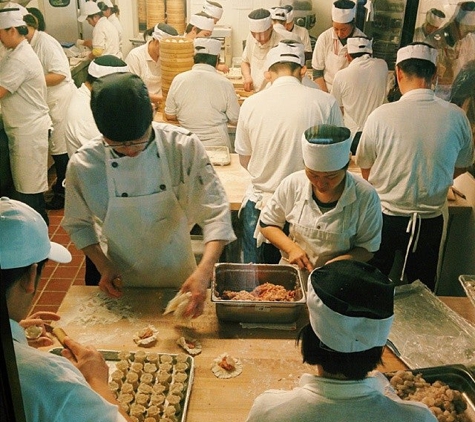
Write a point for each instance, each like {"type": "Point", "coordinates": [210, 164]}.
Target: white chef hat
{"type": "Point", "coordinates": [259, 20]}
{"type": "Point", "coordinates": [343, 15]}
{"type": "Point", "coordinates": [356, 45]}
{"type": "Point", "coordinates": [278, 14]}
{"type": "Point", "coordinates": [466, 14]}
{"type": "Point", "coordinates": [88, 8]}
{"type": "Point", "coordinates": [24, 237]}
{"type": "Point", "coordinates": [290, 12]}
{"type": "Point", "coordinates": [162, 31]}
{"type": "Point", "coordinates": [13, 5]}
{"type": "Point", "coordinates": [213, 9]}
{"type": "Point", "coordinates": [105, 65]}
{"type": "Point", "coordinates": [417, 51]}
{"type": "Point", "coordinates": [326, 147]}
{"type": "Point", "coordinates": [108, 3]}
{"type": "Point", "coordinates": [207, 46]}
{"type": "Point", "coordinates": [11, 18]}
{"type": "Point", "coordinates": [351, 306]}
{"type": "Point", "coordinates": [202, 22]}
{"type": "Point", "coordinates": [286, 51]}
{"type": "Point", "coordinates": [435, 17]}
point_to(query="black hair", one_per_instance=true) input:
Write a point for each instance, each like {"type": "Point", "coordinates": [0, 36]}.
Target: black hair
{"type": "Point", "coordinates": [215, 3]}
{"type": "Point", "coordinates": [39, 17]}
{"type": "Point", "coordinates": [259, 14]}
{"type": "Point", "coordinates": [210, 59]}
{"type": "Point", "coordinates": [10, 276]}
{"type": "Point", "coordinates": [437, 13]}
{"type": "Point", "coordinates": [418, 68]}
{"type": "Point", "coordinates": [31, 21]}
{"type": "Point", "coordinates": [276, 67]}
{"type": "Point", "coordinates": [164, 27]}
{"type": "Point", "coordinates": [356, 55]}
{"type": "Point", "coordinates": [354, 366]}
{"type": "Point", "coordinates": [344, 4]}
{"type": "Point", "coordinates": [467, 6]}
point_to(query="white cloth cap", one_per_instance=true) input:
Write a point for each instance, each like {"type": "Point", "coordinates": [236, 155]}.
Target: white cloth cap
{"type": "Point", "coordinates": [13, 5]}
{"type": "Point", "coordinates": [202, 22]}
{"type": "Point", "coordinates": [260, 25]}
{"type": "Point", "coordinates": [158, 34]}
{"type": "Point", "coordinates": [24, 237]}
{"type": "Point", "coordinates": [98, 71]}
{"type": "Point", "coordinates": [11, 18]}
{"type": "Point", "coordinates": [356, 45]}
{"type": "Point", "coordinates": [417, 51]}
{"type": "Point", "coordinates": [433, 19]}
{"type": "Point", "coordinates": [326, 147]}
{"type": "Point", "coordinates": [108, 3]}
{"type": "Point", "coordinates": [212, 10]}
{"type": "Point", "coordinates": [350, 306]}
{"type": "Point", "coordinates": [343, 15]}
{"type": "Point", "coordinates": [207, 46]}
{"type": "Point", "coordinates": [288, 51]}
{"type": "Point", "coordinates": [89, 8]}
{"type": "Point", "coordinates": [290, 16]}
{"type": "Point", "coordinates": [278, 13]}
{"type": "Point", "coordinates": [466, 17]}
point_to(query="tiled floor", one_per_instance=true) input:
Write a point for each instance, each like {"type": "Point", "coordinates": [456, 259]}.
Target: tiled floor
{"type": "Point", "coordinates": [57, 278]}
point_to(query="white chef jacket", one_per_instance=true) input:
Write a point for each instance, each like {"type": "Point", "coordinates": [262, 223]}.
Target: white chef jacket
{"type": "Point", "coordinates": [194, 181]}
{"type": "Point", "coordinates": [356, 221]}
{"type": "Point", "coordinates": [330, 400]}
{"type": "Point", "coordinates": [412, 147]}
{"type": "Point", "coordinates": [304, 36]}
{"type": "Point", "coordinates": [54, 60]}
{"type": "Point", "coordinates": [359, 89]}
{"type": "Point", "coordinates": [106, 37]}
{"type": "Point", "coordinates": [329, 54]}
{"type": "Point", "coordinates": [80, 124]}
{"type": "Point", "coordinates": [204, 101]}
{"type": "Point", "coordinates": [53, 389]}
{"type": "Point", "coordinates": [255, 54]}
{"type": "Point", "coordinates": [270, 128]}
{"type": "Point", "coordinates": [141, 63]}
{"type": "Point", "coordinates": [114, 20]}
{"type": "Point", "coordinates": [286, 35]}
{"type": "Point", "coordinates": [25, 117]}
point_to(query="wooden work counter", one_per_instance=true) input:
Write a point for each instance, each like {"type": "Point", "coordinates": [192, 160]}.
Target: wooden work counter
{"type": "Point", "coordinates": [270, 357]}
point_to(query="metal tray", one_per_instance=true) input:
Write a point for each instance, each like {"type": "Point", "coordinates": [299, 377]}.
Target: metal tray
{"type": "Point", "coordinates": [468, 284]}
{"type": "Point", "coordinates": [457, 377]}
{"type": "Point", "coordinates": [238, 277]}
{"type": "Point", "coordinates": [112, 356]}
{"type": "Point", "coordinates": [218, 155]}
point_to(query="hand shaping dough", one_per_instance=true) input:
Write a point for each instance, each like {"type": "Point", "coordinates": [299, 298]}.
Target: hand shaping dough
{"type": "Point", "coordinates": [191, 345]}
{"type": "Point", "coordinates": [146, 337]}
{"type": "Point", "coordinates": [178, 305]}
{"type": "Point", "coordinates": [224, 366]}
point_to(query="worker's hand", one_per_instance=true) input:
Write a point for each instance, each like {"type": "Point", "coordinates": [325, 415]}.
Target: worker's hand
{"type": "Point", "coordinates": [248, 84]}
{"type": "Point", "coordinates": [88, 360]}
{"type": "Point", "coordinates": [299, 257]}
{"type": "Point", "coordinates": [37, 328]}
{"type": "Point", "coordinates": [111, 281]}
{"type": "Point", "coordinates": [223, 67]}
{"type": "Point", "coordinates": [197, 283]}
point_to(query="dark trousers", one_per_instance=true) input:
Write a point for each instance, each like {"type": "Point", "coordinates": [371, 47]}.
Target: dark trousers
{"type": "Point", "coordinates": [60, 165]}
{"type": "Point", "coordinates": [421, 264]}
{"type": "Point", "coordinates": [35, 201]}
{"type": "Point", "coordinates": [92, 276]}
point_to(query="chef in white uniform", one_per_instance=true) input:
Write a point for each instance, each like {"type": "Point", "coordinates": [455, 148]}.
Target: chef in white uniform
{"type": "Point", "coordinates": [279, 19]}
{"type": "Point", "coordinates": [24, 111]}
{"type": "Point", "coordinates": [202, 100]}
{"type": "Point", "coordinates": [144, 60]}
{"type": "Point", "coordinates": [329, 55]}
{"type": "Point", "coordinates": [60, 88]}
{"type": "Point", "coordinates": [361, 87]}
{"type": "Point", "coordinates": [333, 214]}
{"type": "Point", "coordinates": [200, 25]}
{"type": "Point", "coordinates": [434, 20]}
{"type": "Point", "coordinates": [105, 37]}
{"type": "Point", "coordinates": [145, 184]}
{"type": "Point", "coordinates": [110, 12]}
{"type": "Point", "coordinates": [213, 9]}
{"type": "Point", "coordinates": [80, 124]}
{"type": "Point", "coordinates": [301, 31]}
{"type": "Point", "coordinates": [260, 40]}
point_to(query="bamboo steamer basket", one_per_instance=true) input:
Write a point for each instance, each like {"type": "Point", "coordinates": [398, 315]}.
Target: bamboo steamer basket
{"type": "Point", "coordinates": [176, 14]}
{"type": "Point", "coordinates": [155, 12]}
{"type": "Point", "coordinates": [176, 56]}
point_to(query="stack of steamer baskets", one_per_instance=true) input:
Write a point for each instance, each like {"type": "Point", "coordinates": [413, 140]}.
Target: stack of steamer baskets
{"type": "Point", "coordinates": [142, 14]}
{"type": "Point", "coordinates": [176, 15]}
{"type": "Point", "coordinates": [176, 56]}
{"type": "Point", "coordinates": [155, 12]}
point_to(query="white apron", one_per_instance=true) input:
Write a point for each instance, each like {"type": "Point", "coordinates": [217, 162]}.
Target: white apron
{"type": "Point", "coordinates": [334, 61]}
{"type": "Point", "coordinates": [148, 236]}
